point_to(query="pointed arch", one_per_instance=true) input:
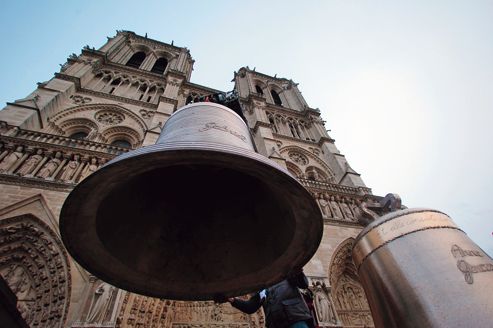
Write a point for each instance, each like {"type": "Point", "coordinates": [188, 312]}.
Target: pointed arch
{"type": "Point", "coordinates": [294, 169]}
{"type": "Point", "coordinates": [275, 97]}
{"type": "Point", "coordinates": [309, 159]}
{"type": "Point", "coordinates": [160, 65]}
{"type": "Point", "coordinates": [35, 265]}
{"type": "Point", "coordinates": [119, 135]}
{"type": "Point", "coordinates": [136, 60]}
{"type": "Point", "coordinates": [102, 116]}
{"type": "Point", "coordinates": [348, 294]}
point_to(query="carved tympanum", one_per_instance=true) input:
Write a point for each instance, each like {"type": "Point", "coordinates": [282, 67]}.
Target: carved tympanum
{"type": "Point", "coordinates": [141, 311]}
{"type": "Point", "coordinates": [34, 264]}
{"type": "Point", "coordinates": [349, 297]}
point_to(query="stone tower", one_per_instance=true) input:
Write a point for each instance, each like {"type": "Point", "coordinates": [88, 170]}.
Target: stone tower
{"type": "Point", "coordinates": [104, 102]}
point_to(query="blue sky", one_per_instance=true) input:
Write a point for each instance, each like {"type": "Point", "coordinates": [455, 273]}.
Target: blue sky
{"type": "Point", "coordinates": [405, 86]}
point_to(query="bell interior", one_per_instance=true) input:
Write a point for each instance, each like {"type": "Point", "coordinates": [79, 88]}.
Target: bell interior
{"type": "Point", "coordinates": [214, 223]}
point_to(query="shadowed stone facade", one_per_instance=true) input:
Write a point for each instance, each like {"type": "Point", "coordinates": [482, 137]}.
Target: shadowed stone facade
{"type": "Point", "coordinates": [103, 103]}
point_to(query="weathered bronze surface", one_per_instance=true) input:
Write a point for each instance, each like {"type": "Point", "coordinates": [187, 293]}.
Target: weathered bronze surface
{"type": "Point", "coordinates": [197, 215]}
{"type": "Point", "coordinates": [419, 269]}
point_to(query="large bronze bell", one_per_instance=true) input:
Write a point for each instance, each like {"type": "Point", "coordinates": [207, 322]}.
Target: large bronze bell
{"type": "Point", "coordinates": [195, 216]}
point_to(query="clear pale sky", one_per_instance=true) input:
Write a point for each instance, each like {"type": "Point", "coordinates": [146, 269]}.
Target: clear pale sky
{"type": "Point", "coordinates": [406, 87]}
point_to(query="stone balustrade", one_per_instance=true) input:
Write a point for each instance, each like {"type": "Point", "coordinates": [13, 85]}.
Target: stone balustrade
{"type": "Point", "coordinates": [334, 187]}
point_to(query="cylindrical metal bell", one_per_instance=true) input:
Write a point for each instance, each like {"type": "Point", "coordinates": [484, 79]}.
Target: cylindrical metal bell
{"type": "Point", "coordinates": [419, 269]}
{"type": "Point", "coordinates": [197, 215]}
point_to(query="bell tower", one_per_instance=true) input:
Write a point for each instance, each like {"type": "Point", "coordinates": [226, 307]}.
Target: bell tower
{"type": "Point", "coordinates": [282, 121]}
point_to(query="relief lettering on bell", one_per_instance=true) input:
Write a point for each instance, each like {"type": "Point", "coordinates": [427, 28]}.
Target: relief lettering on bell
{"type": "Point", "coordinates": [197, 215]}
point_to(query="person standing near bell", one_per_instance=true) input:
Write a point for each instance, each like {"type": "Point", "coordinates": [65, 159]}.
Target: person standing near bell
{"type": "Point", "coordinates": [283, 304]}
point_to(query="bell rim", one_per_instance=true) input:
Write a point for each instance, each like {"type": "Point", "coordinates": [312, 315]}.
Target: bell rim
{"type": "Point", "coordinates": [77, 252]}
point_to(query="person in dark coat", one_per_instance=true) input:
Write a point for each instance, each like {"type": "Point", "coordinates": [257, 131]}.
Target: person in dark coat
{"type": "Point", "coordinates": [283, 304]}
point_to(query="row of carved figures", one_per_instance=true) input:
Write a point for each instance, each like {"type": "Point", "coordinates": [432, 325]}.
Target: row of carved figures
{"type": "Point", "coordinates": [49, 165]}
{"type": "Point", "coordinates": [140, 311]}
{"type": "Point", "coordinates": [338, 208]}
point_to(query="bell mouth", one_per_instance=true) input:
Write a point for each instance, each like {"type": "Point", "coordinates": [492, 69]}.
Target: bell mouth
{"type": "Point", "coordinates": [190, 222]}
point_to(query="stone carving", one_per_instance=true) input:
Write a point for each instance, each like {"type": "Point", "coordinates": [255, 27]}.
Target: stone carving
{"type": "Point", "coordinates": [334, 205]}
{"type": "Point", "coordinates": [107, 117]}
{"type": "Point", "coordinates": [324, 205]}
{"type": "Point", "coordinates": [349, 298]}
{"type": "Point", "coordinates": [49, 168]}
{"type": "Point", "coordinates": [325, 311]}
{"type": "Point", "coordinates": [10, 160]}
{"type": "Point", "coordinates": [100, 303]}
{"type": "Point", "coordinates": [31, 163]}
{"type": "Point", "coordinates": [298, 158]}
{"type": "Point", "coordinates": [34, 264]}
{"type": "Point", "coordinates": [364, 215]}
{"type": "Point", "coordinates": [146, 113]}
{"type": "Point", "coordinates": [348, 214]}
{"type": "Point", "coordinates": [69, 170]}
{"type": "Point", "coordinates": [90, 168]}
{"type": "Point", "coordinates": [80, 100]}
{"type": "Point", "coordinates": [140, 311]}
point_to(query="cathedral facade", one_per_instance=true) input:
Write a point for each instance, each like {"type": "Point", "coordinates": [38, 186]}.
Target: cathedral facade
{"type": "Point", "coordinates": [107, 101]}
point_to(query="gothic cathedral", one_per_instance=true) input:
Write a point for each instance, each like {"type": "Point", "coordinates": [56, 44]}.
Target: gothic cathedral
{"type": "Point", "coordinates": [107, 101]}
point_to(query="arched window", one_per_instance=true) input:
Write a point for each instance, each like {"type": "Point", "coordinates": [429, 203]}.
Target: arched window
{"type": "Point", "coordinates": [121, 143]}
{"type": "Point", "coordinates": [276, 98]}
{"type": "Point", "coordinates": [259, 90]}
{"type": "Point", "coordinates": [114, 82]}
{"type": "Point", "coordinates": [273, 124]}
{"type": "Point", "coordinates": [160, 66]}
{"type": "Point", "coordinates": [136, 59]}
{"type": "Point", "coordinates": [79, 135]}
{"type": "Point", "coordinates": [142, 90]}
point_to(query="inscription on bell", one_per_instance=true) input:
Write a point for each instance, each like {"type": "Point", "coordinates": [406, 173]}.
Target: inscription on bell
{"type": "Point", "coordinates": [413, 223]}
{"type": "Point", "coordinates": [466, 268]}
{"type": "Point", "coordinates": [225, 128]}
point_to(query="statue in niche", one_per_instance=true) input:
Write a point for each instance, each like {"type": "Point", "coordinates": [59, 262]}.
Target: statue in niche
{"type": "Point", "coordinates": [10, 159]}
{"type": "Point", "coordinates": [325, 310]}
{"type": "Point", "coordinates": [31, 163]}
{"type": "Point", "coordinates": [347, 211]}
{"type": "Point", "coordinates": [335, 208]}
{"type": "Point", "coordinates": [69, 169]}
{"type": "Point", "coordinates": [99, 303]}
{"type": "Point", "coordinates": [90, 168]}
{"type": "Point", "coordinates": [324, 205]}
{"type": "Point", "coordinates": [50, 167]}
{"type": "Point", "coordinates": [352, 297]}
